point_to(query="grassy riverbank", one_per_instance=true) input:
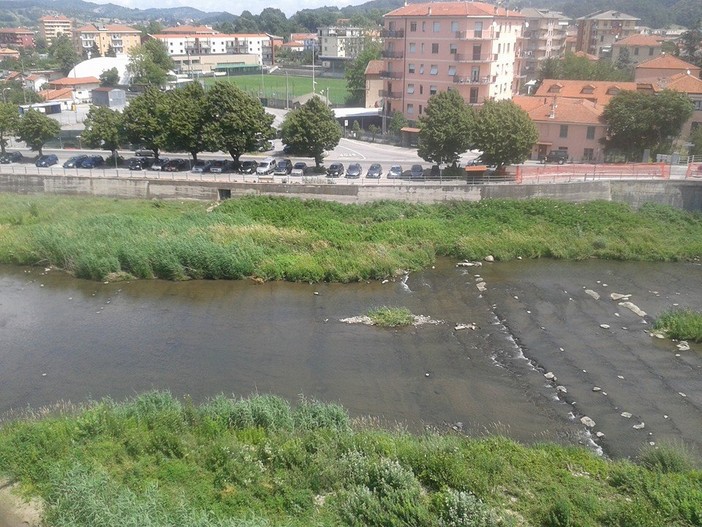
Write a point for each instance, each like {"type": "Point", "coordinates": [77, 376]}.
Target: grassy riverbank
{"type": "Point", "coordinates": [155, 460]}
{"type": "Point", "coordinates": [680, 324]}
{"type": "Point", "coordinates": [288, 239]}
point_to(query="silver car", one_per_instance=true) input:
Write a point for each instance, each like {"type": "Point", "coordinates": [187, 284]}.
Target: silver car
{"type": "Point", "coordinates": [395, 172]}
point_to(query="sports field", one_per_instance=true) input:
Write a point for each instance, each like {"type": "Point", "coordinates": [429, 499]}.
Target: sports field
{"type": "Point", "coordinates": [275, 86]}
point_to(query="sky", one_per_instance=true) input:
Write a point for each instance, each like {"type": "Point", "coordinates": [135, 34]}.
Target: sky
{"type": "Point", "coordinates": [289, 7]}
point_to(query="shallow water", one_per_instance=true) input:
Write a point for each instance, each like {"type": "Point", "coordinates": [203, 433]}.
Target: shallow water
{"type": "Point", "coordinates": [67, 339]}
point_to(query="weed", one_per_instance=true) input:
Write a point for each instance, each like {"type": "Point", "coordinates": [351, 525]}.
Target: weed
{"type": "Point", "coordinates": [391, 317]}
{"type": "Point", "coordinates": [680, 324]}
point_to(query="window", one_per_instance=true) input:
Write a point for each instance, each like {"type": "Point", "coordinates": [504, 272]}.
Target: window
{"type": "Point", "coordinates": [420, 109]}
{"type": "Point", "coordinates": [475, 74]}
{"type": "Point", "coordinates": [698, 106]}
{"type": "Point", "coordinates": [436, 27]}
{"type": "Point", "coordinates": [434, 70]}
{"type": "Point", "coordinates": [410, 108]}
{"type": "Point", "coordinates": [476, 52]}
{"type": "Point", "coordinates": [473, 97]}
{"type": "Point", "coordinates": [454, 26]}
{"type": "Point", "coordinates": [499, 48]}
{"type": "Point", "coordinates": [636, 51]}
{"type": "Point", "coordinates": [424, 26]}
{"type": "Point", "coordinates": [564, 131]}
{"type": "Point", "coordinates": [421, 89]}
{"type": "Point", "coordinates": [588, 89]}
{"type": "Point", "coordinates": [453, 49]}
{"type": "Point", "coordinates": [413, 26]}
{"type": "Point", "coordinates": [410, 68]}
{"type": "Point", "coordinates": [421, 48]}
{"type": "Point", "coordinates": [435, 48]}
{"type": "Point", "coordinates": [421, 69]}
{"type": "Point", "coordinates": [452, 70]}
{"type": "Point", "coordinates": [588, 154]}
{"type": "Point", "coordinates": [590, 132]}
{"type": "Point", "coordinates": [412, 47]}
{"type": "Point", "coordinates": [478, 30]}
{"type": "Point", "coordinates": [432, 90]}
{"type": "Point", "coordinates": [650, 52]}
{"type": "Point", "coordinates": [410, 88]}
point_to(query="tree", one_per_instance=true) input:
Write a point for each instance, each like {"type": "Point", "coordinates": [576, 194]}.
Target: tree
{"type": "Point", "coordinates": [110, 51]}
{"type": "Point", "coordinates": [581, 68]}
{"type": "Point", "coordinates": [311, 130]}
{"type": "Point", "coordinates": [104, 128]}
{"type": "Point", "coordinates": [35, 129]}
{"type": "Point", "coordinates": [186, 119]}
{"type": "Point", "coordinates": [696, 140]}
{"type": "Point", "coordinates": [637, 120]}
{"type": "Point", "coordinates": [145, 120]}
{"type": "Point", "coordinates": [374, 130]}
{"type": "Point", "coordinates": [356, 72]}
{"type": "Point", "coordinates": [93, 52]}
{"type": "Point", "coordinates": [446, 128]}
{"type": "Point", "coordinates": [13, 92]}
{"type": "Point", "coordinates": [40, 45]}
{"type": "Point", "coordinates": [397, 122]}
{"type": "Point", "coordinates": [9, 120]}
{"type": "Point", "coordinates": [505, 133]}
{"type": "Point", "coordinates": [63, 52]}
{"type": "Point", "coordinates": [691, 46]}
{"type": "Point", "coordinates": [149, 64]}
{"type": "Point", "coordinates": [109, 78]}
{"type": "Point", "coordinates": [236, 121]}
{"type": "Point", "coordinates": [624, 61]}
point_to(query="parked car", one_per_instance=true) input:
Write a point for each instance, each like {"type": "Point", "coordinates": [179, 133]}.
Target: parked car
{"type": "Point", "coordinates": [248, 167]}
{"type": "Point", "coordinates": [92, 162]}
{"type": "Point", "coordinates": [75, 161]}
{"type": "Point", "coordinates": [231, 166]}
{"type": "Point", "coordinates": [46, 160]}
{"type": "Point", "coordinates": [299, 169]}
{"type": "Point", "coordinates": [556, 156]}
{"type": "Point", "coordinates": [354, 171]}
{"type": "Point", "coordinates": [144, 152]}
{"type": "Point", "coordinates": [266, 167]}
{"type": "Point", "coordinates": [395, 172]}
{"type": "Point", "coordinates": [11, 157]}
{"type": "Point", "coordinates": [201, 166]}
{"type": "Point", "coordinates": [417, 172]}
{"type": "Point", "coordinates": [335, 170]}
{"type": "Point", "coordinates": [175, 165]}
{"type": "Point", "coordinates": [375, 171]}
{"type": "Point", "coordinates": [435, 172]}
{"type": "Point", "coordinates": [138, 163]}
{"type": "Point", "coordinates": [159, 163]}
{"type": "Point", "coordinates": [283, 167]}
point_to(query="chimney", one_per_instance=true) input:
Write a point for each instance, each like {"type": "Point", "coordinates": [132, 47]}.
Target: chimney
{"type": "Point", "coordinates": [552, 115]}
{"type": "Point", "coordinates": [429, 11]}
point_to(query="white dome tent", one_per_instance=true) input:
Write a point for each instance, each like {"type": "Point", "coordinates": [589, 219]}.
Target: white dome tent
{"type": "Point", "coordinates": [97, 66]}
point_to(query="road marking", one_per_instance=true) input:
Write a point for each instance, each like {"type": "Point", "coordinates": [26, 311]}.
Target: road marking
{"type": "Point", "coordinates": [355, 153]}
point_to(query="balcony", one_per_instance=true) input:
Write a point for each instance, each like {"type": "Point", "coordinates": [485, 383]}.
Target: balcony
{"type": "Point", "coordinates": [391, 75]}
{"type": "Point", "coordinates": [465, 57]}
{"type": "Point", "coordinates": [392, 54]}
{"type": "Point", "coordinates": [475, 81]}
{"type": "Point", "coordinates": [392, 33]}
{"type": "Point", "coordinates": [474, 35]}
{"type": "Point", "coordinates": [391, 94]}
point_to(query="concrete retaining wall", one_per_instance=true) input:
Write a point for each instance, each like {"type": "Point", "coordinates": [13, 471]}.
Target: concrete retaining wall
{"type": "Point", "coordinates": [681, 194]}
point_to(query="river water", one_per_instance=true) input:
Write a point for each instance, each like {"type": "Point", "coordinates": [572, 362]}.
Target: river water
{"type": "Point", "coordinates": [68, 339]}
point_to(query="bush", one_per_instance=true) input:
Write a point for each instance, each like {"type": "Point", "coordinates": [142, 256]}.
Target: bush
{"type": "Point", "coordinates": [668, 457]}
{"type": "Point", "coordinates": [462, 509]}
{"type": "Point", "coordinates": [391, 317]}
{"type": "Point", "coordinates": [680, 324]}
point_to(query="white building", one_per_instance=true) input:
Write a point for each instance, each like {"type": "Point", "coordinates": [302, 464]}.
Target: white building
{"type": "Point", "coordinates": [186, 48]}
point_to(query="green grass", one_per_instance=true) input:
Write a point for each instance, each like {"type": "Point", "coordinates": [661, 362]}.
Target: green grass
{"type": "Point", "coordinates": [391, 317]}
{"type": "Point", "coordinates": [158, 461]}
{"type": "Point", "coordinates": [289, 239]}
{"type": "Point", "coordinates": [274, 86]}
{"type": "Point", "coordinates": [680, 324]}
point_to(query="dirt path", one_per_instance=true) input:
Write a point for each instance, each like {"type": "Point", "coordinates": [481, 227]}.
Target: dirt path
{"type": "Point", "coordinates": [15, 512]}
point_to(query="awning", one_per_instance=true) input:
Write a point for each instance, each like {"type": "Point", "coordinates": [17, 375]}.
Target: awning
{"type": "Point", "coordinates": [410, 130]}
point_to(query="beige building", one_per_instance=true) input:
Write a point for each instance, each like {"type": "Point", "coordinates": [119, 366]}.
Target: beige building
{"type": "Point", "coordinates": [638, 48]}
{"type": "Point", "coordinates": [121, 39]}
{"type": "Point", "coordinates": [471, 47]}
{"type": "Point", "coordinates": [339, 45]}
{"type": "Point", "coordinates": [374, 84]}
{"type": "Point", "coordinates": [51, 27]}
{"type": "Point", "coordinates": [597, 32]}
{"type": "Point", "coordinates": [544, 37]}
{"type": "Point", "coordinates": [662, 67]}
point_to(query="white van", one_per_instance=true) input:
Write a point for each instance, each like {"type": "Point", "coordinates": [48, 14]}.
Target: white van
{"type": "Point", "coordinates": [265, 167]}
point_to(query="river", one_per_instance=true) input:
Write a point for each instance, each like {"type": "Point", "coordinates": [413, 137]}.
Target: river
{"type": "Point", "coordinates": [64, 339]}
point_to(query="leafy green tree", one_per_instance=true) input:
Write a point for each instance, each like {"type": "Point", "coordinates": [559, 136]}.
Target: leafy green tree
{"type": "Point", "coordinates": [236, 121]}
{"type": "Point", "coordinates": [149, 64]}
{"type": "Point", "coordinates": [41, 45]}
{"type": "Point", "coordinates": [15, 93]}
{"type": "Point", "coordinates": [691, 46]}
{"type": "Point", "coordinates": [624, 61]}
{"type": "Point", "coordinates": [63, 53]}
{"type": "Point", "coordinates": [374, 130]}
{"type": "Point", "coordinates": [93, 52]}
{"type": "Point", "coordinates": [35, 129]}
{"type": "Point", "coordinates": [145, 120]}
{"type": "Point", "coordinates": [696, 140]}
{"type": "Point", "coordinates": [397, 122]}
{"type": "Point", "coordinates": [186, 119]}
{"type": "Point", "coordinates": [274, 22]}
{"type": "Point", "coordinates": [581, 68]}
{"type": "Point", "coordinates": [9, 120]}
{"type": "Point", "coordinates": [356, 72]}
{"type": "Point", "coordinates": [104, 128]}
{"type": "Point", "coordinates": [446, 128]}
{"type": "Point", "coordinates": [637, 120]}
{"type": "Point", "coordinates": [109, 78]}
{"type": "Point", "coordinates": [311, 129]}
{"type": "Point", "coordinates": [505, 133]}
{"type": "Point", "coordinates": [669, 47]}
{"type": "Point", "coordinates": [152, 28]}
{"type": "Point", "coordinates": [110, 51]}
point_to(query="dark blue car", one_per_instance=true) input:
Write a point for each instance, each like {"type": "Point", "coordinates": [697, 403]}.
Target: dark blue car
{"type": "Point", "coordinates": [92, 162]}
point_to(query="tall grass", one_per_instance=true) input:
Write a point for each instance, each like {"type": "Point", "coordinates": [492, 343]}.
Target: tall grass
{"type": "Point", "coordinates": [680, 324]}
{"type": "Point", "coordinates": [158, 461]}
{"type": "Point", "coordinates": [289, 239]}
{"type": "Point", "coordinates": [391, 317]}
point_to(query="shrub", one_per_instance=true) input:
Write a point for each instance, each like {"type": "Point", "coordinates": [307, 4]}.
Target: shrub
{"type": "Point", "coordinates": [668, 457]}
{"type": "Point", "coordinates": [681, 324]}
{"type": "Point", "coordinates": [391, 317]}
{"type": "Point", "coordinates": [461, 509]}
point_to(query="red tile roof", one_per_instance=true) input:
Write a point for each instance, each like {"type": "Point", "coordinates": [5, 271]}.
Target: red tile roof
{"type": "Point", "coordinates": [374, 67]}
{"type": "Point", "coordinates": [112, 28]}
{"type": "Point", "coordinates": [561, 110]}
{"type": "Point", "coordinates": [667, 62]}
{"type": "Point", "coordinates": [473, 9]}
{"type": "Point", "coordinates": [640, 40]}
{"type": "Point", "coordinates": [49, 18]}
{"type": "Point", "coordinates": [598, 91]}
{"type": "Point", "coordinates": [59, 94]}
{"type": "Point", "coordinates": [682, 82]}
{"type": "Point", "coordinates": [74, 81]}
{"type": "Point", "coordinates": [190, 29]}
{"type": "Point", "coordinates": [591, 58]}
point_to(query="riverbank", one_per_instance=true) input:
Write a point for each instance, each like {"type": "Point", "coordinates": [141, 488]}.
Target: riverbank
{"type": "Point", "coordinates": [158, 460]}
{"type": "Point", "coordinates": [288, 239]}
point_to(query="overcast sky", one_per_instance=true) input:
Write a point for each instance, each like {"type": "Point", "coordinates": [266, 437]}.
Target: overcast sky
{"type": "Point", "coordinates": [289, 7]}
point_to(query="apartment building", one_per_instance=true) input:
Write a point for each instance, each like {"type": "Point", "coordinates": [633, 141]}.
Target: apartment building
{"type": "Point", "coordinates": [662, 67]}
{"type": "Point", "coordinates": [637, 48]}
{"type": "Point", "coordinates": [597, 32]}
{"type": "Point", "coordinates": [545, 35]}
{"type": "Point", "coordinates": [310, 41]}
{"type": "Point", "coordinates": [51, 27]}
{"type": "Point", "coordinates": [339, 45]}
{"type": "Point", "coordinates": [471, 47]}
{"type": "Point", "coordinates": [105, 37]}
{"type": "Point", "coordinates": [16, 37]}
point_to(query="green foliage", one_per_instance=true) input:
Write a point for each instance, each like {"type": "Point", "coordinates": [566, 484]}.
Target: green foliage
{"type": "Point", "coordinates": [680, 324]}
{"type": "Point", "coordinates": [311, 130]}
{"type": "Point", "coordinates": [638, 120]}
{"type": "Point", "coordinates": [9, 122]}
{"type": "Point", "coordinates": [104, 128]}
{"type": "Point", "coordinates": [236, 121]}
{"type": "Point", "coordinates": [355, 72]}
{"type": "Point", "coordinates": [462, 509]}
{"type": "Point", "coordinates": [35, 129]}
{"type": "Point", "coordinates": [109, 78]}
{"type": "Point", "coordinates": [186, 119]}
{"type": "Point", "coordinates": [691, 44]}
{"type": "Point", "coordinates": [391, 317]}
{"type": "Point", "coordinates": [696, 140]}
{"type": "Point", "coordinates": [63, 52]}
{"type": "Point", "coordinates": [668, 457]}
{"type": "Point", "coordinates": [581, 68]}
{"type": "Point", "coordinates": [505, 133]}
{"type": "Point", "coordinates": [446, 128]}
{"type": "Point", "coordinates": [150, 63]}
{"type": "Point", "coordinates": [397, 122]}
{"type": "Point", "coordinates": [144, 120]}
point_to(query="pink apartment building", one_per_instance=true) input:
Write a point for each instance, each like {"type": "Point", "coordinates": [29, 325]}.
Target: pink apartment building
{"type": "Point", "coordinates": [471, 47]}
